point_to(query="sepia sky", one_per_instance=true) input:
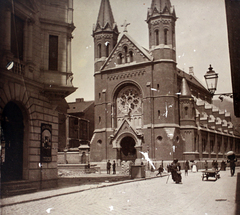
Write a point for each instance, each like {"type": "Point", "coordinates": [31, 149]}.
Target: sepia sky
{"type": "Point", "coordinates": [201, 38]}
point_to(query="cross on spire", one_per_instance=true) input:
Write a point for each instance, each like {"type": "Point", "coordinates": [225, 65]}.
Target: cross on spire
{"type": "Point", "coordinates": [125, 24]}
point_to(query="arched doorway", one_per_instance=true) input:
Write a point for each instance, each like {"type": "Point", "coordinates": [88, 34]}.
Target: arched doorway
{"type": "Point", "coordinates": [12, 129]}
{"type": "Point", "coordinates": [128, 151]}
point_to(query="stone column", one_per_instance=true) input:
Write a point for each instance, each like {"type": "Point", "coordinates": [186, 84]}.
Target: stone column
{"type": "Point", "coordinates": [200, 144]}
{"type": "Point", "coordinates": [67, 132]}
{"type": "Point", "coordinates": [208, 148]}
{"type": "Point", "coordinates": [215, 147]}
{"type": "Point", "coordinates": [139, 155]}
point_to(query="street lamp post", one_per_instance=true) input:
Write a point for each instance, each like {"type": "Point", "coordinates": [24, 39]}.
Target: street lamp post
{"type": "Point", "coordinates": [211, 78]}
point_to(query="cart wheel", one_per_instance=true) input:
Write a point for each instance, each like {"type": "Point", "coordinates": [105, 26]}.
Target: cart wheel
{"type": "Point", "coordinates": [202, 177]}
{"type": "Point", "coordinates": [216, 177]}
{"type": "Point", "coordinates": [207, 178]}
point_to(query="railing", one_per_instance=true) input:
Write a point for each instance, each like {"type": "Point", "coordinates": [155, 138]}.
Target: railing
{"type": "Point", "coordinates": [18, 68]}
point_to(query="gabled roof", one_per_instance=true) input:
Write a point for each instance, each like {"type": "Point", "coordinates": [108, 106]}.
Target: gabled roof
{"type": "Point", "coordinates": [192, 79]}
{"type": "Point", "coordinates": [111, 61]}
{"type": "Point", "coordinates": [125, 127]}
{"type": "Point", "coordinates": [77, 107]}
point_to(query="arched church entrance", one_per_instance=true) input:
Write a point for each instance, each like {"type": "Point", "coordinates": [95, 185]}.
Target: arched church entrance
{"type": "Point", "coordinates": [12, 129]}
{"type": "Point", "coordinates": [128, 151]}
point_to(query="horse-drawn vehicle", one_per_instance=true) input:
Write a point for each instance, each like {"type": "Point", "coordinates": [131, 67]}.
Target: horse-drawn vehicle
{"type": "Point", "coordinates": [210, 173]}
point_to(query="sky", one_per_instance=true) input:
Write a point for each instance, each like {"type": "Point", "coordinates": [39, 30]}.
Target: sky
{"type": "Point", "coordinates": [201, 39]}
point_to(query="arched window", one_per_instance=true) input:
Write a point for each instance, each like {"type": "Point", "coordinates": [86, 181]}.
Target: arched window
{"type": "Point", "coordinates": [125, 54]}
{"type": "Point", "coordinates": [107, 49]}
{"type": "Point", "coordinates": [120, 58]}
{"type": "Point", "coordinates": [131, 56]}
{"type": "Point", "coordinates": [165, 36]}
{"type": "Point", "coordinates": [99, 51]}
{"type": "Point", "coordinates": [186, 111]}
{"type": "Point", "coordinates": [156, 37]}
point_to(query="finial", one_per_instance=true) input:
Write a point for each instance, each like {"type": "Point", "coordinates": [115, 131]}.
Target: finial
{"type": "Point", "coordinates": [125, 24]}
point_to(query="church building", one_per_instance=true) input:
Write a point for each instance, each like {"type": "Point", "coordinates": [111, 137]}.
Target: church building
{"type": "Point", "coordinates": [144, 103]}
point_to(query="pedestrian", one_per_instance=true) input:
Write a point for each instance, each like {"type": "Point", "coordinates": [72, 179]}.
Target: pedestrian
{"type": "Point", "coordinates": [213, 165]}
{"type": "Point", "coordinates": [223, 165]}
{"type": "Point", "coordinates": [108, 167]}
{"type": "Point", "coordinates": [206, 165]}
{"type": "Point", "coordinates": [216, 165]}
{"type": "Point", "coordinates": [194, 167]}
{"type": "Point", "coordinates": [160, 170]}
{"type": "Point", "coordinates": [186, 167]}
{"type": "Point", "coordinates": [176, 171]}
{"type": "Point", "coordinates": [114, 167]}
{"type": "Point", "coordinates": [232, 165]}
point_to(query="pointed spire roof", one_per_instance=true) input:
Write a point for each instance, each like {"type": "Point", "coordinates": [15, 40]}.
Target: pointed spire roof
{"type": "Point", "coordinates": [105, 15]}
{"type": "Point", "coordinates": [160, 5]}
{"type": "Point", "coordinates": [185, 91]}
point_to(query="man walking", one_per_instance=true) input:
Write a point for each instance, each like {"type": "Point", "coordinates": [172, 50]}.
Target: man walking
{"type": "Point", "coordinates": [108, 167]}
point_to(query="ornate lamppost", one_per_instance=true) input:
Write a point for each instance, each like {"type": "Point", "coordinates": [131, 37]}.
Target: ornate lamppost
{"type": "Point", "coordinates": [211, 78]}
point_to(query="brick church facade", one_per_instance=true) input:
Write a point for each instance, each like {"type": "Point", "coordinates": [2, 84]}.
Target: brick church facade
{"type": "Point", "coordinates": [143, 102]}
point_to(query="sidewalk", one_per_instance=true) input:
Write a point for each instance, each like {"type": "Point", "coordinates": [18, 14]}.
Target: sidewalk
{"type": "Point", "coordinates": [45, 194]}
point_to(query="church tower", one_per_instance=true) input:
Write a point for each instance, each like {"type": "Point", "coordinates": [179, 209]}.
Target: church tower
{"type": "Point", "coordinates": [161, 20]}
{"type": "Point", "coordinates": [105, 34]}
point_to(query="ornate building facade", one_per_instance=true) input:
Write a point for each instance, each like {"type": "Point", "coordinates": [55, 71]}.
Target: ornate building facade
{"type": "Point", "coordinates": [143, 102]}
{"type": "Point", "coordinates": [36, 77]}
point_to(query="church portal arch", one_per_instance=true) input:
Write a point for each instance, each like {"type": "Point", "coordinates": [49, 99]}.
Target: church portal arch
{"type": "Point", "coordinates": [128, 151]}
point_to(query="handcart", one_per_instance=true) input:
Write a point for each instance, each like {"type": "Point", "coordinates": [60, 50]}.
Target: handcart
{"type": "Point", "coordinates": [210, 173]}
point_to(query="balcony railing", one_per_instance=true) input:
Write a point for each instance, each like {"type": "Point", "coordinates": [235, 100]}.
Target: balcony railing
{"type": "Point", "coordinates": [18, 68]}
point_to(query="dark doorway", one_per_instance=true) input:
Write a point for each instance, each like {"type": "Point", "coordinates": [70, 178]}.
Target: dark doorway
{"type": "Point", "coordinates": [12, 129]}
{"type": "Point", "coordinates": [128, 151]}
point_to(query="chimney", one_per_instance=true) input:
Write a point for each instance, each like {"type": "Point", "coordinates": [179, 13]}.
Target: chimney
{"type": "Point", "coordinates": [80, 100]}
{"type": "Point", "coordinates": [191, 70]}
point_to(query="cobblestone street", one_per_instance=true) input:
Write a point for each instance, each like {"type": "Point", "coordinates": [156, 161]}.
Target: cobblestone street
{"type": "Point", "coordinates": [152, 196]}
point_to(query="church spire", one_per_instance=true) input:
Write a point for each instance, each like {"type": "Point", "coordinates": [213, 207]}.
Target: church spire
{"type": "Point", "coordinates": [185, 91]}
{"type": "Point", "coordinates": [105, 18]}
{"type": "Point", "coordinates": [161, 20]}
{"type": "Point", "coordinates": [160, 5]}
{"type": "Point", "coordinates": [105, 34]}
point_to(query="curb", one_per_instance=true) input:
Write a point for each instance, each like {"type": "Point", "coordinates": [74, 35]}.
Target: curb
{"type": "Point", "coordinates": [78, 191]}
